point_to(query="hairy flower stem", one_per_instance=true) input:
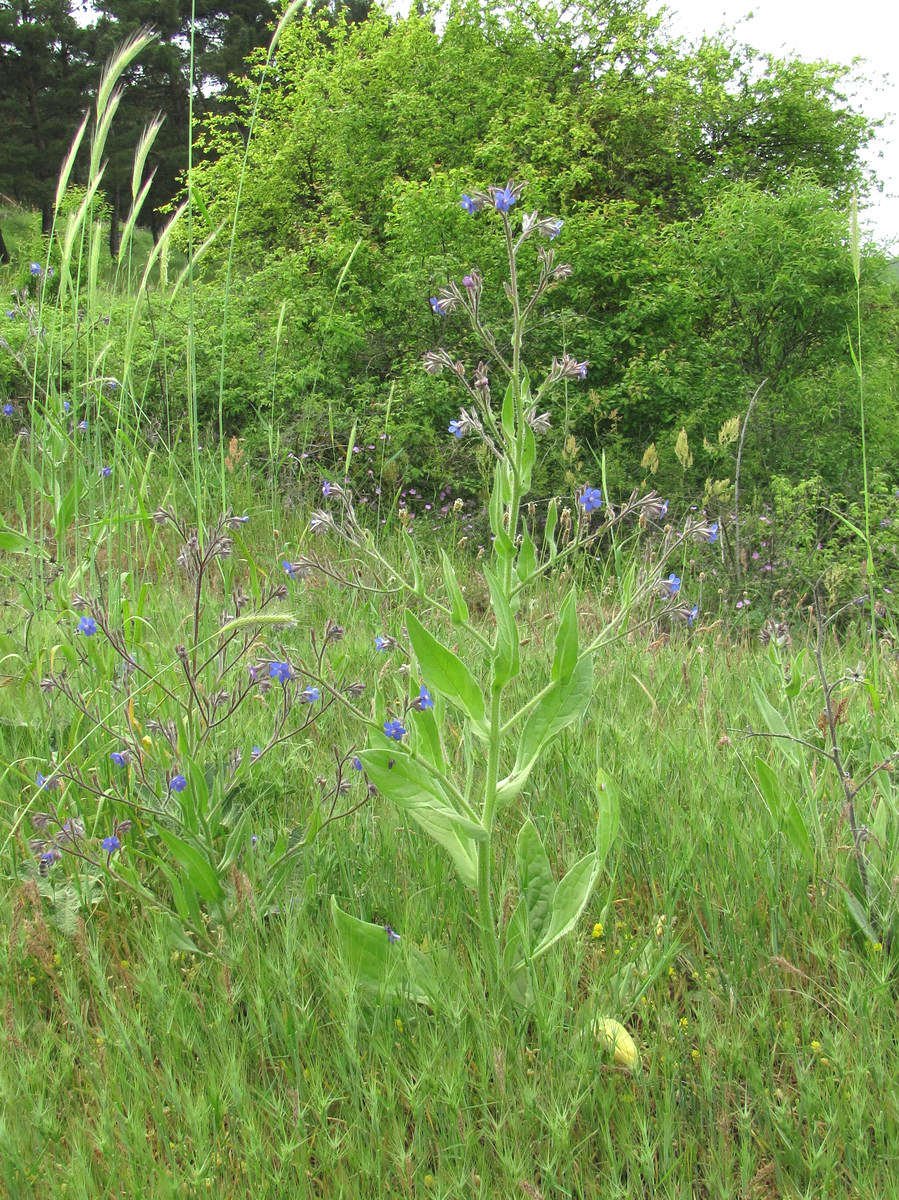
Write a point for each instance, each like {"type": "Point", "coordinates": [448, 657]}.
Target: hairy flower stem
{"type": "Point", "coordinates": [485, 848]}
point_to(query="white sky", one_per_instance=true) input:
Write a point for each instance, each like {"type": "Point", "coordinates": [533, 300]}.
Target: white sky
{"type": "Point", "coordinates": [836, 30]}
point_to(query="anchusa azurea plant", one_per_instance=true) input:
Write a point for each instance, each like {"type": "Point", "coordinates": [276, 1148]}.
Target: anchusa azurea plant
{"type": "Point", "coordinates": [412, 755]}
{"type": "Point", "coordinates": [152, 796]}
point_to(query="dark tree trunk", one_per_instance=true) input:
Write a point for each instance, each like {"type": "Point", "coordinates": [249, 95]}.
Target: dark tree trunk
{"type": "Point", "coordinates": [115, 238]}
{"type": "Point", "coordinates": [155, 225]}
{"type": "Point", "coordinates": [4, 253]}
{"type": "Point", "coordinates": [46, 217]}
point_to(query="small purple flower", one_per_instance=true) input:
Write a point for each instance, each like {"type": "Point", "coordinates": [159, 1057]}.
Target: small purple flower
{"type": "Point", "coordinates": [11, 313]}
{"type": "Point", "coordinates": [692, 614]}
{"type": "Point", "coordinates": [456, 428]}
{"type": "Point", "coordinates": [66, 406]}
{"type": "Point", "coordinates": [280, 671]}
{"type": "Point", "coordinates": [111, 844]}
{"type": "Point", "coordinates": [255, 753]}
{"type": "Point", "coordinates": [672, 583]}
{"type": "Point", "coordinates": [87, 626]}
{"type": "Point", "coordinates": [392, 935]}
{"type": "Point", "coordinates": [254, 840]}
{"type": "Point", "coordinates": [106, 472]}
{"type": "Point", "coordinates": [8, 410]}
{"type": "Point", "coordinates": [471, 205]}
{"type": "Point", "coordinates": [82, 425]}
{"type": "Point", "coordinates": [555, 228]}
{"type": "Point", "coordinates": [47, 783]}
{"type": "Point", "coordinates": [713, 532]}
{"type": "Point", "coordinates": [177, 784]}
{"type": "Point", "coordinates": [394, 730]}
{"type": "Point", "coordinates": [591, 499]}
{"type": "Point", "coordinates": [36, 268]}
{"type": "Point", "coordinates": [120, 758]}
{"type": "Point", "coordinates": [437, 306]}
{"type": "Point", "coordinates": [309, 695]}
{"type": "Point", "coordinates": [503, 199]}
{"type": "Point", "coordinates": [425, 699]}
{"type": "Point", "coordinates": [582, 369]}
{"type": "Point", "coordinates": [381, 645]}
{"type": "Point", "coordinates": [467, 282]}
{"type": "Point", "coordinates": [240, 520]}
{"type": "Point", "coordinates": [326, 488]}
{"type": "Point", "coordinates": [288, 568]}
{"type": "Point", "coordinates": [51, 856]}
{"type": "Point", "coordinates": [663, 511]}
{"type": "Point", "coordinates": [357, 764]}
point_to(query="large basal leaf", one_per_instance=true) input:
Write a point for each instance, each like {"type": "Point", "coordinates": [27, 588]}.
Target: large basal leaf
{"type": "Point", "coordinates": [446, 673]}
{"type": "Point", "coordinates": [785, 811]}
{"type": "Point", "coordinates": [535, 879]}
{"type": "Point", "coordinates": [200, 873]}
{"type": "Point", "coordinates": [416, 792]}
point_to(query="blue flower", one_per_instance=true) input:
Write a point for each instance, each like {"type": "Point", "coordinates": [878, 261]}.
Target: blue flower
{"type": "Point", "coordinates": [48, 783]}
{"type": "Point", "coordinates": [395, 730]}
{"type": "Point", "coordinates": [425, 699]}
{"type": "Point", "coordinates": [664, 509]}
{"type": "Point", "coordinates": [82, 425]}
{"type": "Point", "coordinates": [8, 410]}
{"type": "Point", "coordinates": [111, 844]}
{"type": "Point", "coordinates": [392, 935]}
{"type": "Point", "coordinates": [177, 783]}
{"type": "Point", "coordinates": [555, 229]}
{"type": "Point", "coordinates": [36, 268]}
{"type": "Point", "coordinates": [11, 313]}
{"type": "Point", "coordinates": [309, 695]}
{"type": "Point", "coordinates": [471, 205]}
{"type": "Point", "coordinates": [106, 472]}
{"type": "Point", "coordinates": [673, 584]}
{"type": "Point", "coordinates": [503, 199]}
{"type": "Point", "coordinates": [255, 753]}
{"type": "Point", "coordinates": [456, 428]}
{"type": "Point", "coordinates": [692, 614]}
{"type": "Point", "coordinates": [381, 645]}
{"type": "Point", "coordinates": [66, 406]}
{"type": "Point", "coordinates": [326, 488]}
{"type": "Point", "coordinates": [713, 532]}
{"type": "Point", "coordinates": [279, 671]}
{"type": "Point", "coordinates": [254, 840]}
{"type": "Point", "coordinates": [289, 568]}
{"type": "Point", "coordinates": [357, 764]}
{"type": "Point", "coordinates": [591, 499]}
{"type": "Point", "coordinates": [240, 520]}
{"type": "Point", "coordinates": [438, 307]}
{"type": "Point", "coordinates": [87, 626]}
{"type": "Point", "coordinates": [121, 758]}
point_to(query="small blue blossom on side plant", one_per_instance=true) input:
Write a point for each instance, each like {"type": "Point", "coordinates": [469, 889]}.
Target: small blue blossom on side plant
{"type": "Point", "coordinates": [471, 205]}
{"type": "Point", "coordinates": [713, 532]}
{"type": "Point", "coordinates": [255, 753]}
{"type": "Point", "coordinates": [36, 268]}
{"type": "Point", "coordinates": [8, 410]}
{"type": "Point", "coordinates": [456, 428]}
{"type": "Point", "coordinates": [66, 406]}
{"type": "Point", "coordinates": [288, 568]}
{"type": "Point", "coordinates": [672, 583]}
{"type": "Point", "coordinates": [177, 783]}
{"type": "Point", "coordinates": [590, 499]}
{"type": "Point", "coordinates": [555, 228]}
{"type": "Point", "coordinates": [504, 199]}
{"type": "Point", "coordinates": [47, 783]}
{"type": "Point", "coordinates": [326, 488]}
{"type": "Point", "coordinates": [111, 844]}
{"type": "Point", "coordinates": [82, 425]}
{"type": "Point", "coordinates": [424, 700]}
{"type": "Point", "coordinates": [309, 695]}
{"type": "Point", "coordinates": [381, 645]}
{"type": "Point", "coordinates": [692, 614]}
{"type": "Point", "coordinates": [357, 764]}
{"type": "Point", "coordinates": [106, 472]}
{"type": "Point", "coordinates": [280, 671]}
{"type": "Point", "coordinates": [121, 758]}
{"type": "Point", "coordinates": [87, 626]}
{"type": "Point", "coordinates": [663, 511]}
{"type": "Point", "coordinates": [395, 730]}
{"type": "Point", "coordinates": [392, 935]}
{"type": "Point", "coordinates": [437, 307]}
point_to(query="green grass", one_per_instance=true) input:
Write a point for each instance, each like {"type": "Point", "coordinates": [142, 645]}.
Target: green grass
{"type": "Point", "coordinates": [766, 1032]}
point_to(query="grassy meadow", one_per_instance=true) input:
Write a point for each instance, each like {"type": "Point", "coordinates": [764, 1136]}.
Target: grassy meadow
{"type": "Point", "coordinates": [277, 921]}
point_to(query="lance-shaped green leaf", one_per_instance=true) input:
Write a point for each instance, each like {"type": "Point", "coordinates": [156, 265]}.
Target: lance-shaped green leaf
{"type": "Point", "coordinates": [446, 672]}
{"type": "Point", "coordinates": [453, 591]}
{"type": "Point", "coordinates": [199, 872]}
{"type": "Point", "coordinates": [566, 652]}
{"type": "Point", "coordinates": [418, 584]}
{"type": "Point", "coordinates": [785, 811]}
{"type": "Point", "coordinates": [776, 724]}
{"type": "Point", "coordinates": [569, 901]}
{"type": "Point", "coordinates": [608, 815]}
{"type": "Point", "coordinates": [499, 498]}
{"type": "Point", "coordinates": [416, 791]}
{"type": "Point", "coordinates": [506, 661]}
{"type": "Point", "coordinates": [549, 530]}
{"type": "Point", "coordinates": [563, 704]}
{"type": "Point", "coordinates": [535, 880]}
{"type": "Point", "coordinates": [372, 958]}
{"type": "Point", "coordinates": [526, 563]}
{"type": "Point", "coordinates": [528, 456]}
